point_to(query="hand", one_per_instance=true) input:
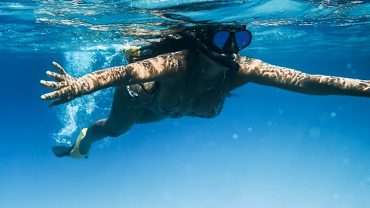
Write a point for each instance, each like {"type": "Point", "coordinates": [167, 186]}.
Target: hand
{"type": "Point", "coordinates": [65, 86]}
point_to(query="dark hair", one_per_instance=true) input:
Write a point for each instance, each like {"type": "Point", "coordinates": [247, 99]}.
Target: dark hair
{"type": "Point", "coordinates": [180, 38]}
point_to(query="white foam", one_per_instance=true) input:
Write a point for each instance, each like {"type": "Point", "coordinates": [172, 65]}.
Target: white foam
{"type": "Point", "coordinates": [279, 6]}
{"type": "Point", "coordinates": [78, 63]}
{"type": "Point", "coordinates": [161, 3]}
{"type": "Point", "coordinates": [77, 113]}
{"type": "Point", "coordinates": [280, 34]}
{"type": "Point", "coordinates": [16, 6]}
{"type": "Point", "coordinates": [114, 47]}
{"type": "Point", "coordinates": [68, 118]}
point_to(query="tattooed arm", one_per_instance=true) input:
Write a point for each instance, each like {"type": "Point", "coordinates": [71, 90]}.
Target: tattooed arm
{"type": "Point", "coordinates": [158, 68]}
{"type": "Point", "coordinates": [254, 70]}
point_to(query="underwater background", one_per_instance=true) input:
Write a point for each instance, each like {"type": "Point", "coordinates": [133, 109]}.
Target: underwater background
{"type": "Point", "coordinates": [269, 148]}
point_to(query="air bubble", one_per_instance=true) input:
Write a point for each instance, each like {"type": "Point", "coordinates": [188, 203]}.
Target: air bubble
{"type": "Point", "coordinates": [349, 66]}
{"type": "Point", "coordinates": [333, 114]}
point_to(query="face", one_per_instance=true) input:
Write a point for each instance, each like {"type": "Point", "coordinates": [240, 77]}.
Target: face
{"type": "Point", "coordinates": [226, 39]}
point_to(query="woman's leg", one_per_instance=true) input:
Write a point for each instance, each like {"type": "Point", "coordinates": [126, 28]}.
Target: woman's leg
{"type": "Point", "coordinates": [121, 119]}
{"type": "Point", "coordinates": [148, 117]}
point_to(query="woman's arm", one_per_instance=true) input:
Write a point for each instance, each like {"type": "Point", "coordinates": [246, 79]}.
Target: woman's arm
{"type": "Point", "coordinates": [66, 87]}
{"type": "Point", "coordinates": [254, 70]}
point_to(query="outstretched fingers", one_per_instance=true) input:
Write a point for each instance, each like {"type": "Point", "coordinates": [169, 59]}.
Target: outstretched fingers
{"type": "Point", "coordinates": [64, 85]}
{"type": "Point", "coordinates": [56, 76]}
{"type": "Point", "coordinates": [57, 94]}
{"type": "Point", "coordinates": [54, 85]}
{"type": "Point", "coordinates": [59, 68]}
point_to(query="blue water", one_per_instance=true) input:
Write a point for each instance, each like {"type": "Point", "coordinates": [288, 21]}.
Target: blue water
{"type": "Point", "coordinates": [269, 148]}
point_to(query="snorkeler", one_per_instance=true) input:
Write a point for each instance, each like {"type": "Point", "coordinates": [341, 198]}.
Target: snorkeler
{"type": "Point", "coordinates": [189, 73]}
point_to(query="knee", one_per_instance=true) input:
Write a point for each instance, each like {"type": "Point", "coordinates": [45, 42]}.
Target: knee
{"type": "Point", "coordinates": [116, 130]}
{"type": "Point", "coordinates": [114, 133]}
{"type": "Point", "coordinates": [108, 128]}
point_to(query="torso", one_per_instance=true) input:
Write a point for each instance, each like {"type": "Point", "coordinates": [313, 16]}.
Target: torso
{"type": "Point", "coordinates": [200, 92]}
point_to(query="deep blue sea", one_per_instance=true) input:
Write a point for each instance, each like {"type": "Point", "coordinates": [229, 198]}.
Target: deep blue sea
{"type": "Point", "coordinates": [269, 148]}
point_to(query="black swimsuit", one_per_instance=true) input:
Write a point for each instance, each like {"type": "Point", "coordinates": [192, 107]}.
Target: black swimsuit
{"type": "Point", "coordinates": [144, 96]}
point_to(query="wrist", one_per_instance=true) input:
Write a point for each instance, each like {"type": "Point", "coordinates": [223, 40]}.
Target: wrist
{"type": "Point", "coordinates": [83, 85]}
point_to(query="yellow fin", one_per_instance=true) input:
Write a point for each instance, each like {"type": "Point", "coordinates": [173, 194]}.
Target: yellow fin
{"type": "Point", "coordinates": [75, 152]}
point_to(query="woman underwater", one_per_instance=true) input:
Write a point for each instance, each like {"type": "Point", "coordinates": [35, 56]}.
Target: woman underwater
{"type": "Point", "coordinates": [189, 72]}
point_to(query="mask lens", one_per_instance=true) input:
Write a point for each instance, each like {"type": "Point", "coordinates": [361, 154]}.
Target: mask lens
{"type": "Point", "coordinates": [243, 38]}
{"type": "Point", "coordinates": [220, 39]}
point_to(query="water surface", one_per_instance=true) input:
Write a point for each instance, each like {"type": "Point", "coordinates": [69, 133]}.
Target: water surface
{"type": "Point", "coordinates": [268, 148]}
